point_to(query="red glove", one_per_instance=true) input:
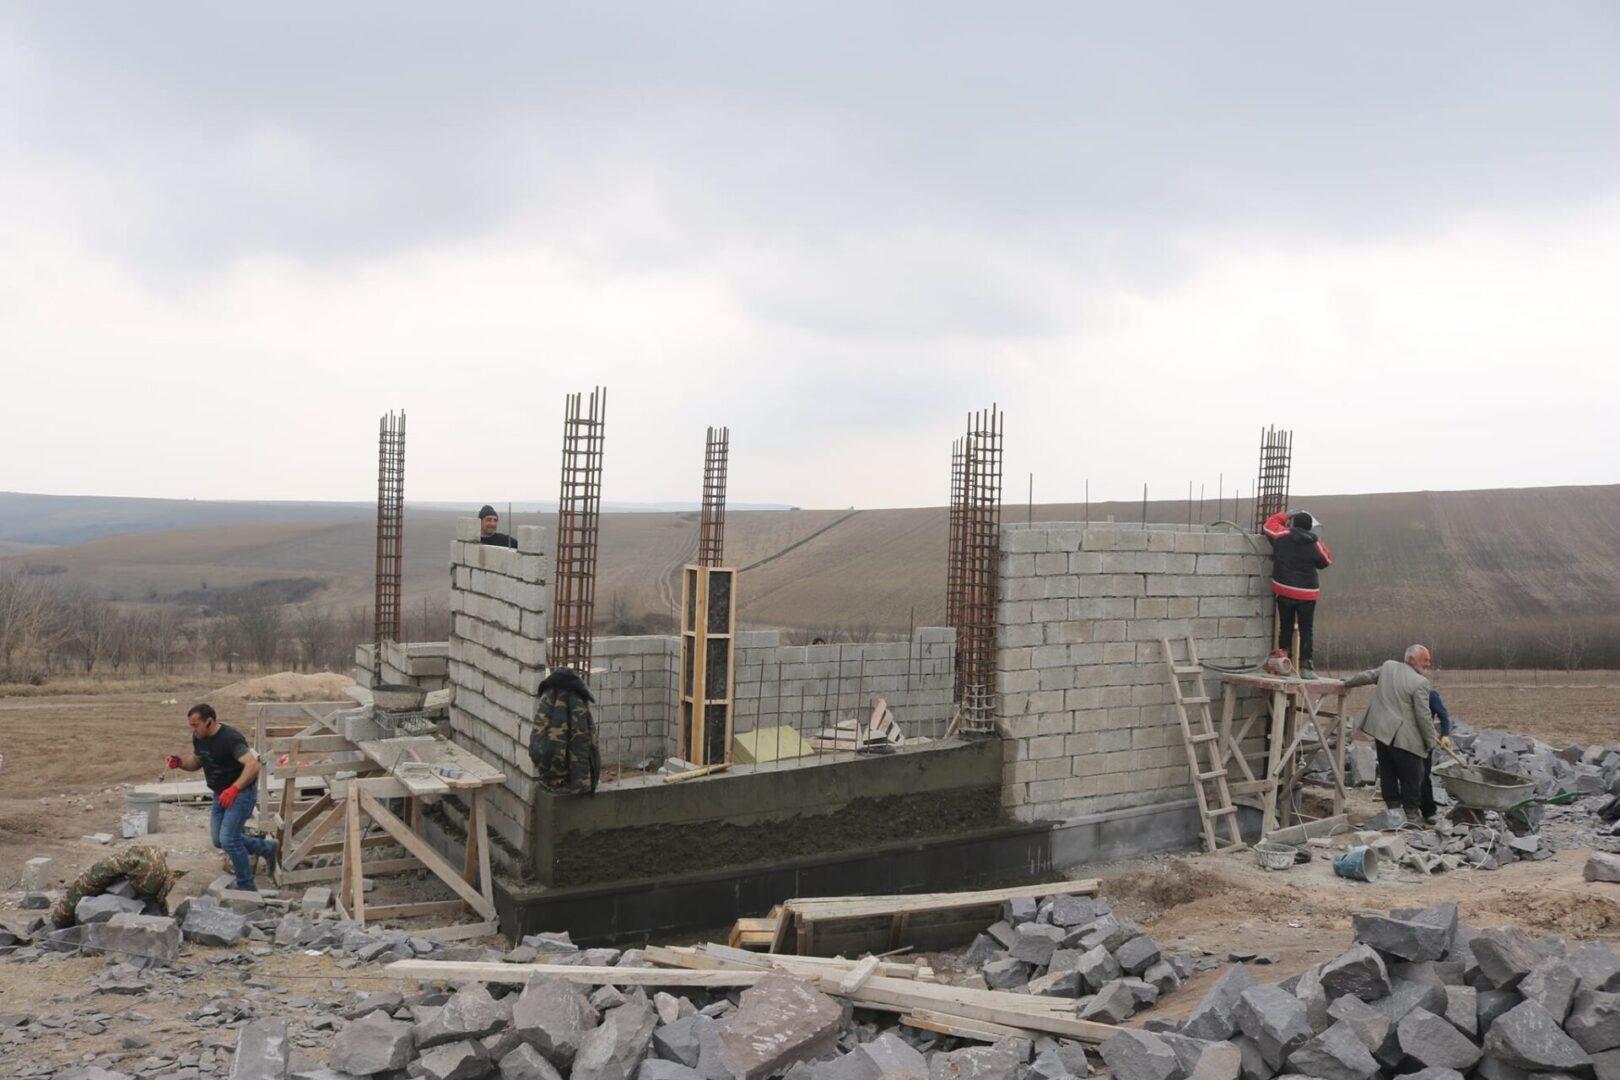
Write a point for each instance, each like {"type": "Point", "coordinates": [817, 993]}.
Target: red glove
{"type": "Point", "coordinates": [173, 760]}
{"type": "Point", "coordinates": [228, 796]}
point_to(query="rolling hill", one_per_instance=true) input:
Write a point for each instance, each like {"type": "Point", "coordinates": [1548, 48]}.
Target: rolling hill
{"type": "Point", "coordinates": [1443, 565]}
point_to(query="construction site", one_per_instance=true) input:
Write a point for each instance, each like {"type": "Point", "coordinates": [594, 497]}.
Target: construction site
{"type": "Point", "coordinates": [1101, 821]}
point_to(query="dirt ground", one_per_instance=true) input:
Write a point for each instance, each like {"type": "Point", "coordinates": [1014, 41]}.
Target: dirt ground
{"type": "Point", "coordinates": [67, 759]}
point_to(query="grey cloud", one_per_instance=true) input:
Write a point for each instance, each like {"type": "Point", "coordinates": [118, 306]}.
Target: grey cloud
{"type": "Point", "coordinates": [1086, 136]}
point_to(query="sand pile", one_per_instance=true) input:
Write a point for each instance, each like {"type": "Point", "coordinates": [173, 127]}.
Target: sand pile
{"type": "Point", "coordinates": [288, 686]}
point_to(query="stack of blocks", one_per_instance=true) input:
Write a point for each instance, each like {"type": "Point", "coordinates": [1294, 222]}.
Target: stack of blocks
{"type": "Point", "coordinates": [497, 659]}
{"type": "Point", "coordinates": [1084, 694]}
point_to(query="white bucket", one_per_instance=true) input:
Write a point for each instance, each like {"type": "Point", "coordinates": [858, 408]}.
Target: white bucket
{"type": "Point", "coordinates": [144, 806]}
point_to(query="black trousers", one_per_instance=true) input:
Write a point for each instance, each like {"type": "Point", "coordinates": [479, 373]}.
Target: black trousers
{"type": "Point", "coordinates": [1404, 779]}
{"type": "Point", "coordinates": [1290, 612]}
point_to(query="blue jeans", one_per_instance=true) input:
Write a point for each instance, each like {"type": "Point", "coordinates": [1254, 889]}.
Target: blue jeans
{"type": "Point", "coordinates": [225, 832]}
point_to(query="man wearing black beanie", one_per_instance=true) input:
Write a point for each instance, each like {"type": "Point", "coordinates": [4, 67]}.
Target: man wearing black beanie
{"type": "Point", "coordinates": [488, 524]}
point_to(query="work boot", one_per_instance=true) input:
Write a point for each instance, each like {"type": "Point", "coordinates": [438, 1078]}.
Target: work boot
{"type": "Point", "coordinates": [1306, 671]}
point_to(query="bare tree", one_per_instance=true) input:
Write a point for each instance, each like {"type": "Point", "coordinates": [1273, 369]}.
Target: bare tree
{"type": "Point", "coordinates": [90, 625]}
{"type": "Point", "coordinates": [257, 621]}
{"type": "Point", "coordinates": [27, 611]}
{"type": "Point", "coordinates": [316, 632]}
{"type": "Point", "coordinates": [1568, 644]}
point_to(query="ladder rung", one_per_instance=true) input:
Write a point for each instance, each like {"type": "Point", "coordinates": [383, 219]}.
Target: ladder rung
{"type": "Point", "coordinates": [1222, 811]}
{"type": "Point", "coordinates": [1187, 669]}
{"type": "Point", "coordinates": [1210, 737]}
{"type": "Point", "coordinates": [1211, 774]}
{"type": "Point", "coordinates": [1196, 700]}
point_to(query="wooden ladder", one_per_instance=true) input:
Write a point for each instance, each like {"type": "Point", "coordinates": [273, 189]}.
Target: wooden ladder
{"type": "Point", "coordinates": [1204, 756]}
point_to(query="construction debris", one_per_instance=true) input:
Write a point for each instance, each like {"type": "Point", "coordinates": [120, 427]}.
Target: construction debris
{"type": "Point", "coordinates": [1418, 994]}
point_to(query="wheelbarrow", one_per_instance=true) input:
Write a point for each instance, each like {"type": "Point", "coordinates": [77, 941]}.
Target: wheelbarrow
{"type": "Point", "coordinates": [1478, 788]}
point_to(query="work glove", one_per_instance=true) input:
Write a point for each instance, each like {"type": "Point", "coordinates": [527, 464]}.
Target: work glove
{"type": "Point", "coordinates": [173, 761]}
{"type": "Point", "coordinates": [1445, 742]}
{"type": "Point", "coordinates": [227, 797]}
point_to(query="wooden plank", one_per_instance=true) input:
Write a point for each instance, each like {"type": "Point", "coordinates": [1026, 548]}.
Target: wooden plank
{"type": "Point", "coordinates": [412, 911]}
{"type": "Point", "coordinates": [310, 744]}
{"type": "Point", "coordinates": [458, 931]}
{"type": "Point", "coordinates": [184, 791]}
{"type": "Point", "coordinates": [486, 880]}
{"type": "Point", "coordinates": [711, 956]}
{"type": "Point", "coordinates": [1022, 1011]}
{"type": "Point", "coordinates": [823, 908]}
{"type": "Point", "coordinates": [302, 849]}
{"type": "Point", "coordinates": [956, 1026]}
{"type": "Point", "coordinates": [354, 886]}
{"type": "Point", "coordinates": [693, 774]}
{"type": "Point", "coordinates": [419, 847]}
{"type": "Point", "coordinates": [380, 867]}
{"type": "Point", "coordinates": [518, 974]}
{"type": "Point", "coordinates": [858, 975]}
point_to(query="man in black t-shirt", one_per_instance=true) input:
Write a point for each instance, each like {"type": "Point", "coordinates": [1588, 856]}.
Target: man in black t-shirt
{"type": "Point", "coordinates": [231, 769]}
{"type": "Point", "coordinates": [489, 524]}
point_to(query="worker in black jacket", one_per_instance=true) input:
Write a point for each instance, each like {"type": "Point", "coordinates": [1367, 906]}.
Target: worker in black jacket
{"type": "Point", "coordinates": [1298, 557]}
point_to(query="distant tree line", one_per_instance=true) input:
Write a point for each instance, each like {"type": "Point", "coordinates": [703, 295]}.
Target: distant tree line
{"type": "Point", "coordinates": [49, 630]}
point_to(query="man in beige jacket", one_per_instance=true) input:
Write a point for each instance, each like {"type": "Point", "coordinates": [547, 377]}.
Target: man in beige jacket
{"type": "Point", "coordinates": [1400, 721]}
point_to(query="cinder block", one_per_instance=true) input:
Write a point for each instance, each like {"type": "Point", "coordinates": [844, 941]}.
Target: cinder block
{"type": "Point", "coordinates": [1022, 541]}
{"type": "Point", "coordinates": [531, 539]}
{"type": "Point", "coordinates": [466, 528]}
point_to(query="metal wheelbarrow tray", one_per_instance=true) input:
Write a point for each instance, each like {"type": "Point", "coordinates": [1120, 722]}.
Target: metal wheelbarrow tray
{"type": "Point", "coordinates": [1480, 788]}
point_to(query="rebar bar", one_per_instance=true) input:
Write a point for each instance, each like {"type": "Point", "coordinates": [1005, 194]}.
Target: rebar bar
{"type": "Point", "coordinates": [579, 512]}
{"type": "Point", "coordinates": [387, 606]}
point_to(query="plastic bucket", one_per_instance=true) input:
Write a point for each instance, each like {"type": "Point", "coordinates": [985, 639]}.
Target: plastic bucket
{"type": "Point", "coordinates": [1275, 856]}
{"type": "Point", "coordinates": [1357, 864]}
{"type": "Point", "coordinates": [142, 803]}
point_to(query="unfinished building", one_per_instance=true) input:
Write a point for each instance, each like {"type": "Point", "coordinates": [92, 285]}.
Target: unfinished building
{"type": "Point", "coordinates": [1042, 729]}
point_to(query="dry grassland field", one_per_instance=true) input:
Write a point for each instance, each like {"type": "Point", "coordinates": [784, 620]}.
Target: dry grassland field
{"type": "Point", "coordinates": [69, 756]}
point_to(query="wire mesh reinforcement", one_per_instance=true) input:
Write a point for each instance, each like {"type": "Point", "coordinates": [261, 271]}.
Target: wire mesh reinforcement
{"type": "Point", "coordinates": [390, 527]}
{"type": "Point", "coordinates": [579, 512]}
{"type": "Point", "coordinates": [712, 524]}
{"type": "Point", "coordinates": [976, 532]}
{"type": "Point", "coordinates": [1271, 482]}
{"type": "Point", "coordinates": [953, 562]}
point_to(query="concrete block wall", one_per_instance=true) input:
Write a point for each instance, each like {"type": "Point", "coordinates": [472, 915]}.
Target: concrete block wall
{"type": "Point", "coordinates": [1083, 689]}
{"type": "Point", "coordinates": [807, 687]}
{"type": "Point", "coordinates": [498, 632]}
{"type": "Point", "coordinates": [637, 685]}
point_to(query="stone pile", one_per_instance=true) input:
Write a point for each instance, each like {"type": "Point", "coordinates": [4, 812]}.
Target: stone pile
{"type": "Point", "coordinates": [549, 1029]}
{"type": "Point", "coordinates": [1075, 946]}
{"type": "Point", "coordinates": [1417, 994]}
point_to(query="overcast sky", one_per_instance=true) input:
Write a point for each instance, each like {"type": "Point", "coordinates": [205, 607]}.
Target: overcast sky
{"type": "Point", "coordinates": [233, 235]}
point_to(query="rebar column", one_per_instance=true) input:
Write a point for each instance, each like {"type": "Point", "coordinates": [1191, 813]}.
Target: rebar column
{"type": "Point", "coordinates": [953, 558]}
{"type": "Point", "coordinates": [712, 523]}
{"type": "Point", "coordinates": [980, 531]}
{"type": "Point", "coordinates": [1271, 482]}
{"type": "Point", "coordinates": [390, 527]}
{"type": "Point", "coordinates": [579, 512]}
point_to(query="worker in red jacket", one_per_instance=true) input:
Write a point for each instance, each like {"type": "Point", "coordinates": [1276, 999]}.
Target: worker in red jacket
{"type": "Point", "coordinates": [1298, 557]}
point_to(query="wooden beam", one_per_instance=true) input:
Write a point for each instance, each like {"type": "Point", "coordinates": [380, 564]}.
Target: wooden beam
{"type": "Point", "coordinates": [518, 974]}
{"type": "Point", "coordinates": [858, 975]}
{"type": "Point", "coordinates": [411, 911]}
{"type": "Point", "coordinates": [354, 885]}
{"type": "Point", "coordinates": [420, 848]}
{"type": "Point", "coordinates": [313, 874]}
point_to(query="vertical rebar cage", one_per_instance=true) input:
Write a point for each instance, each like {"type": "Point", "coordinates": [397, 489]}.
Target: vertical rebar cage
{"type": "Point", "coordinates": [1271, 483]}
{"type": "Point", "coordinates": [579, 512]}
{"type": "Point", "coordinates": [712, 523]}
{"type": "Point", "coordinates": [976, 466]}
{"type": "Point", "coordinates": [387, 607]}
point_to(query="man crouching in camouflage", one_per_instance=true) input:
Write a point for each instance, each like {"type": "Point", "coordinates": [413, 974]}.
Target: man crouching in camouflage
{"type": "Point", "coordinates": [563, 742]}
